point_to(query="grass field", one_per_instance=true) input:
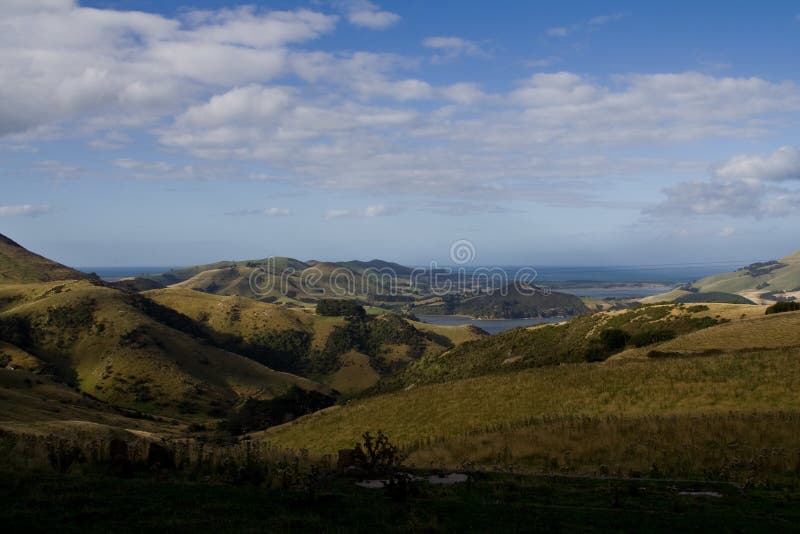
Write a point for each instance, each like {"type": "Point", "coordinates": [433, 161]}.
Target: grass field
{"type": "Point", "coordinates": [756, 382]}
{"type": "Point", "coordinates": [495, 502]}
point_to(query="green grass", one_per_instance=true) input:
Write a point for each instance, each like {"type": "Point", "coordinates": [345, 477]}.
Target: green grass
{"type": "Point", "coordinates": [18, 265]}
{"type": "Point", "coordinates": [574, 341]}
{"type": "Point", "coordinates": [752, 382]}
{"type": "Point", "coordinates": [491, 503]}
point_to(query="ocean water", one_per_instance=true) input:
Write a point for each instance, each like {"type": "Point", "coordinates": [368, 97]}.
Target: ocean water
{"type": "Point", "coordinates": [663, 274]}
{"type": "Point", "coordinates": [113, 273]}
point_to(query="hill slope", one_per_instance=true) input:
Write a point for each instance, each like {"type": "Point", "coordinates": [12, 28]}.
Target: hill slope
{"type": "Point", "coordinates": [711, 414]}
{"type": "Point", "coordinates": [578, 340]}
{"type": "Point", "coordinates": [349, 355]}
{"type": "Point", "coordinates": [781, 275]}
{"type": "Point", "coordinates": [128, 351]}
{"type": "Point", "coordinates": [508, 303]}
{"type": "Point", "coordinates": [19, 265]}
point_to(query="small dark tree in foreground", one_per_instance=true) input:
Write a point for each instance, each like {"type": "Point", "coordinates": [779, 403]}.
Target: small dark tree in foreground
{"type": "Point", "coordinates": [377, 454]}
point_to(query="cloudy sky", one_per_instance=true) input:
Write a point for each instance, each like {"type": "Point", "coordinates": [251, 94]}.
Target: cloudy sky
{"type": "Point", "coordinates": [572, 133]}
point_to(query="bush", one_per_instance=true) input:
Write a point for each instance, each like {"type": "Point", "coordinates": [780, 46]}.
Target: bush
{"type": "Point", "coordinates": [340, 308]}
{"type": "Point", "coordinates": [614, 339]}
{"type": "Point", "coordinates": [782, 307]}
{"type": "Point", "coordinates": [15, 330]}
{"type": "Point", "coordinates": [377, 454]}
{"type": "Point", "coordinates": [80, 315]}
{"type": "Point", "coordinates": [284, 350]}
{"type": "Point", "coordinates": [256, 414]}
{"type": "Point", "coordinates": [652, 335]}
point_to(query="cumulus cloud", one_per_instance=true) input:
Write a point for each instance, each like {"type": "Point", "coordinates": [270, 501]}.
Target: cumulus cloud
{"type": "Point", "coordinates": [451, 47]}
{"type": "Point", "coordinates": [132, 63]}
{"type": "Point", "coordinates": [369, 211]}
{"type": "Point", "coordinates": [368, 15]}
{"type": "Point", "coordinates": [24, 210]}
{"type": "Point", "coordinates": [341, 142]}
{"type": "Point", "coordinates": [745, 185]}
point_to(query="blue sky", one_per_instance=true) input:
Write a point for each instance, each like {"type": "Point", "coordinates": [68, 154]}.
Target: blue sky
{"type": "Point", "coordinates": [134, 133]}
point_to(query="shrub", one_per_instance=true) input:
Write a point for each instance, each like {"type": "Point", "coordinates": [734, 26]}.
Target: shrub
{"type": "Point", "coordinates": [79, 315]}
{"type": "Point", "coordinates": [614, 339]}
{"type": "Point", "coordinates": [339, 308]}
{"type": "Point", "coordinates": [256, 414]}
{"type": "Point", "coordinates": [284, 350]}
{"type": "Point", "coordinates": [15, 330]}
{"type": "Point", "coordinates": [652, 335]}
{"type": "Point", "coordinates": [782, 307]}
{"type": "Point", "coordinates": [376, 454]}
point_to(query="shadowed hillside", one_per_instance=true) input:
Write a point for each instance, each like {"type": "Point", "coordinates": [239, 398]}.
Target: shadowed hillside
{"type": "Point", "coordinates": [19, 265]}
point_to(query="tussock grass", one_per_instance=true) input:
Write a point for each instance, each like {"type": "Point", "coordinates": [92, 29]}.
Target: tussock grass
{"type": "Point", "coordinates": [756, 382]}
{"type": "Point", "coordinates": [737, 447]}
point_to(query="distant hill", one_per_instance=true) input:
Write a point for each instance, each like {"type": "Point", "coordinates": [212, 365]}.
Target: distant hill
{"type": "Point", "coordinates": [713, 296]}
{"type": "Point", "coordinates": [760, 282]}
{"type": "Point", "coordinates": [770, 276]}
{"type": "Point", "coordinates": [507, 304]}
{"type": "Point", "coordinates": [19, 265]}
{"type": "Point", "coordinates": [581, 339]}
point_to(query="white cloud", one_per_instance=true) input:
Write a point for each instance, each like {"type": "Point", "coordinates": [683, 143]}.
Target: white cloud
{"type": "Point", "coordinates": [266, 212]}
{"type": "Point", "coordinates": [463, 93]}
{"type": "Point", "coordinates": [600, 20]}
{"type": "Point", "coordinates": [743, 186]}
{"type": "Point", "coordinates": [26, 210]}
{"type": "Point", "coordinates": [605, 19]}
{"type": "Point", "coordinates": [151, 166]}
{"type": "Point", "coordinates": [559, 31]}
{"type": "Point", "coordinates": [61, 61]}
{"type": "Point", "coordinates": [370, 211]}
{"type": "Point", "coordinates": [727, 231]}
{"type": "Point", "coordinates": [368, 15]}
{"type": "Point", "coordinates": [451, 47]}
{"type": "Point", "coordinates": [781, 165]}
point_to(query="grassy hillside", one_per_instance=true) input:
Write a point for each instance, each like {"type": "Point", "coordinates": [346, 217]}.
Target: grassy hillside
{"type": "Point", "coordinates": [759, 381]}
{"type": "Point", "coordinates": [712, 296]}
{"type": "Point", "coordinates": [707, 403]}
{"type": "Point", "coordinates": [507, 304]}
{"type": "Point", "coordinates": [578, 340]}
{"type": "Point", "coordinates": [18, 265]}
{"type": "Point", "coordinates": [129, 352]}
{"type": "Point", "coordinates": [350, 356]}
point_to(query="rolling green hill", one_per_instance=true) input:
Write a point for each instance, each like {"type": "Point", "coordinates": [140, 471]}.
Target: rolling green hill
{"type": "Point", "coordinates": [509, 303]}
{"type": "Point", "coordinates": [585, 338]}
{"type": "Point", "coordinates": [708, 404]}
{"type": "Point", "coordinates": [349, 355]}
{"type": "Point", "coordinates": [781, 275]}
{"type": "Point", "coordinates": [128, 351]}
{"type": "Point", "coordinates": [18, 265]}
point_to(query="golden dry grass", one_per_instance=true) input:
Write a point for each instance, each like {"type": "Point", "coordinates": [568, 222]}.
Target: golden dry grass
{"type": "Point", "coordinates": [158, 369]}
{"type": "Point", "coordinates": [356, 374]}
{"type": "Point", "coordinates": [755, 382]}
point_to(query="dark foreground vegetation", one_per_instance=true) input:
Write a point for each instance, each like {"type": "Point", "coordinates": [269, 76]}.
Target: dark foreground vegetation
{"type": "Point", "coordinates": [487, 503]}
